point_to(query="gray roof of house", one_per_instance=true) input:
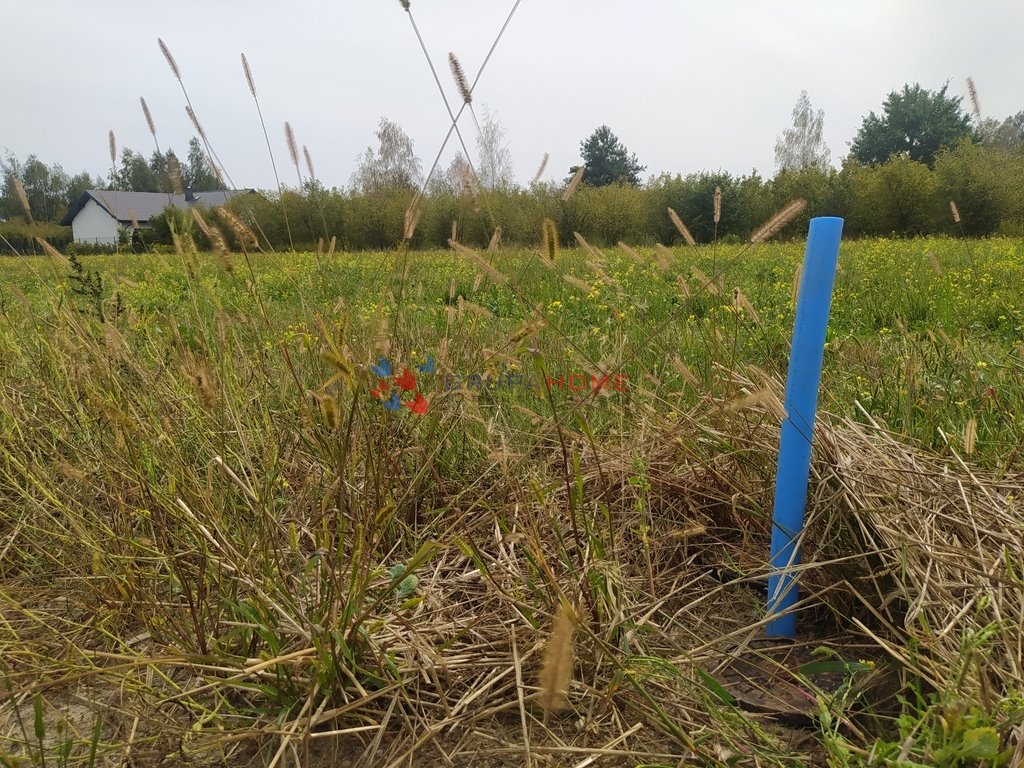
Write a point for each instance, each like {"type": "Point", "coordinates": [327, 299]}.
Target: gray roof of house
{"type": "Point", "coordinates": [127, 207]}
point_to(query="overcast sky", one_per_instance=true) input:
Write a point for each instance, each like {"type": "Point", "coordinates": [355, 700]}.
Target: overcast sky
{"type": "Point", "coordinates": [687, 86]}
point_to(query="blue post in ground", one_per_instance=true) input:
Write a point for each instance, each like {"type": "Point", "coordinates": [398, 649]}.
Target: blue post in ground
{"type": "Point", "coordinates": [812, 310]}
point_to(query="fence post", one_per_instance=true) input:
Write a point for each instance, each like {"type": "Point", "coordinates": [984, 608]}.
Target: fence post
{"type": "Point", "coordinates": [812, 309]}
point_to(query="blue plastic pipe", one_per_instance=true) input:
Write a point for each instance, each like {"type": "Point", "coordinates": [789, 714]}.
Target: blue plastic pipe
{"type": "Point", "coordinates": [812, 309]}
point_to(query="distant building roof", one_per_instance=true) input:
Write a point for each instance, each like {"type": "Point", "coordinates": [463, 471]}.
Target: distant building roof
{"type": "Point", "coordinates": [127, 207]}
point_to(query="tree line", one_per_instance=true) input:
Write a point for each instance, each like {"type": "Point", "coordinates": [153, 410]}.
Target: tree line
{"type": "Point", "coordinates": [906, 164]}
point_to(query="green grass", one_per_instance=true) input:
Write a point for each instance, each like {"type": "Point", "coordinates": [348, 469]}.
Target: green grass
{"type": "Point", "coordinates": [202, 504]}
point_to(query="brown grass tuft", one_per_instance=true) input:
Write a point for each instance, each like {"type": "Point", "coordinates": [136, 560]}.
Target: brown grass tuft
{"type": "Point", "coordinates": [777, 223]}
{"type": "Point", "coordinates": [556, 671]}
{"type": "Point", "coordinates": [460, 78]}
{"type": "Point", "coordinates": [170, 58]}
{"type": "Point", "coordinates": [573, 183]}
{"type": "Point", "coordinates": [681, 228]}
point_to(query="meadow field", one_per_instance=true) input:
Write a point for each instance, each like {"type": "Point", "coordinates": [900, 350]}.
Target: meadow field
{"type": "Point", "coordinates": [503, 507]}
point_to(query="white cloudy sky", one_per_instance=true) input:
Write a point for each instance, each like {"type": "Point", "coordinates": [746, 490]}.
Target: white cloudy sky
{"type": "Point", "coordinates": [687, 86]}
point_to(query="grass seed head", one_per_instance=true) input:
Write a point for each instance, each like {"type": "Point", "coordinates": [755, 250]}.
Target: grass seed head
{"type": "Point", "coordinates": [972, 92]}
{"type": "Point", "coordinates": [148, 114]}
{"type": "Point", "coordinates": [248, 76]}
{"type": "Point", "coordinates": [460, 78]}
{"type": "Point", "coordinates": [570, 190]}
{"type": "Point", "coordinates": [540, 170]}
{"type": "Point", "coordinates": [718, 205]}
{"type": "Point", "coordinates": [955, 211]}
{"type": "Point", "coordinates": [19, 190]}
{"type": "Point", "coordinates": [170, 58]}
{"type": "Point", "coordinates": [293, 149]}
{"type": "Point", "coordinates": [174, 171]}
{"type": "Point", "coordinates": [778, 222]}
{"type": "Point", "coordinates": [112, 145]}
{"type": "Point", "coordinates": [681, 228]}
{"type": "Point", "coordinates": [549, 231]}
{"type": "Point", "coordinates": [309, 161]}
{"type": "Point", "coordinates": [195, 122]}
{"type": "Point", "coordinates": [556, 670]}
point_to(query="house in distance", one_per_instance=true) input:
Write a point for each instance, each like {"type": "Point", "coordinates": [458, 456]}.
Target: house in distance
{"type": "Point", "coordinates": [97, 216]}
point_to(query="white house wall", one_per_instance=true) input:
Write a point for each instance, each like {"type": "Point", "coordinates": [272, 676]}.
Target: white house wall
{"type": "Point", "coordinates": [94, 225]}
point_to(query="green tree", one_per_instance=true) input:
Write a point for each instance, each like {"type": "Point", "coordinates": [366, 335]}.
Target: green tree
{"type": "Point", "coordinates": [135, 175]}
{"type": "Point", "coordinates": [160, 164]}
{"type": "Point", "coordinates": [392, 166]}
{"type": "Point", "coordinates": [803, 145]}
{"type": "Point", "coordinates": [607, 161]}
{"type": "Point", "coordinates": [197, 173]}
{"type": "Point", "coordinates": [914, 122]}
{"type": "Point", "coordinates": [1008, 134]}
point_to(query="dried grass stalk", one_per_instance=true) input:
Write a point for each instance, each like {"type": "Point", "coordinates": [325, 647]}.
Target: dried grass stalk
{"type": "Point", "coordinates": [663, 256]}
{"type": "Point", "coordinates": [630, 252]}
{"type": "Point", "coordinates": [293, 149]}
{"type": "Point", "coordinates": [309, 162]}
{"type": "Point", "coordinates": [112, 145]}
{"type": "Point", "coordinates": [174, 171]}
{"type": "Point", "coordinates": [149, 116]}
{"type": "Point", "coordinates": [495, 243]}
{"type": "Point", "coordinates": [460, 78]}
{"type": "Point", "coordinates": [412, 217]}
{"type": "Point", "coordinates": [195, 122]}
{"type": "Point", "coordinates": [248, 76]}
{"type": "Point", "coordinates": [482, 264]}
{"type": "Point", "coordinates": [243, 234]}
{"type": "Point", "coordinates": [955, 211]}
{"type": "Point", "coordinates": [549, 231]}
{"type": "Point", "coordinates": [570, 190]}
{"type": "Point", "coordinates": [972, 92]}
{"type": "Point", "coordinates": [170, 59]}
{"type": "Point", "coordinates": [681, 228]}
{"type": "Point", "coordinates": [718, 205]}
{"type": "Point", "coordinates": [540, 170]}
{"type": "Point", "coordinates": [777, 223]}
{"type": "Point", "coordinates": [19, 190]}
{"type": "Point", "coordinates": [556, 671]}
